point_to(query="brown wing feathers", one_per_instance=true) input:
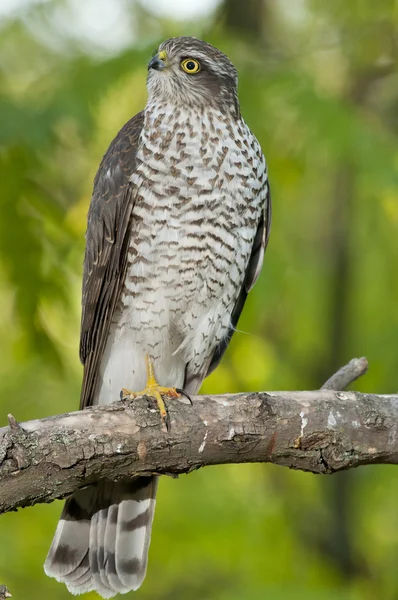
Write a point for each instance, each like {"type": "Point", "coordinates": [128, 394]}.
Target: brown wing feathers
{"type": "Point", "coordinates": [107, 241]}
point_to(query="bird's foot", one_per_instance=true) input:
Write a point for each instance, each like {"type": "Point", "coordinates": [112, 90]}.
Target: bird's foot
{"type": "Point", "coordinates": [157, 392]}
{"type": "Point", "coordinates": [153, 390]}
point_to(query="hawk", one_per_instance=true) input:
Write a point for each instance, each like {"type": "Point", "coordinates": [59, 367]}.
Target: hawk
{"type": "Point", "coordinates": [177, 227]}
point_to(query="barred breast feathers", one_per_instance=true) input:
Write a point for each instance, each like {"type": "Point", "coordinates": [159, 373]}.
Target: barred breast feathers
{"type": "Point", "coordinates": [201, 185]}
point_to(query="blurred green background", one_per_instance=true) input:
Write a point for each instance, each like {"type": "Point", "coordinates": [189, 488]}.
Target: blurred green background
{"type": "Point", "coordinates": [319, 87]}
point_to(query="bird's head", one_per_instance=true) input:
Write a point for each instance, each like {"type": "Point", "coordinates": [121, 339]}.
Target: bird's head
{"type": "Point", "coordinates": [189, 72]}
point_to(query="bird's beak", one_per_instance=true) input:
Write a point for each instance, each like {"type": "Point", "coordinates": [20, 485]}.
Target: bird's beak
{"type": "Point", "coordinates": [158, 62]}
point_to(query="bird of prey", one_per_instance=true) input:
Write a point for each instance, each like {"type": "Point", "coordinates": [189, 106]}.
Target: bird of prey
{"type": "Point", "coordinates": [177, 227]}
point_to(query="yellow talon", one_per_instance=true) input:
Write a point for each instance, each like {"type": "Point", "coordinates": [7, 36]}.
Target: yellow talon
{"type": "Point", "coordinates": [154, 390]}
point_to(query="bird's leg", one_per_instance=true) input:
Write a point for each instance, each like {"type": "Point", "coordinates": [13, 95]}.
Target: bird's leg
{"type": "Point", "coordinates": [154, 390]}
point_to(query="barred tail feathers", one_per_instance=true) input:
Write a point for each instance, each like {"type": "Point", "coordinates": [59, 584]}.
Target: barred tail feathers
{"type": "Point", "coordinates": [102, 539]}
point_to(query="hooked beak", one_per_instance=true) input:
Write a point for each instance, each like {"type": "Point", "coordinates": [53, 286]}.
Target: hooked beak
{"type": "Point", "coordinates": [158, 61]}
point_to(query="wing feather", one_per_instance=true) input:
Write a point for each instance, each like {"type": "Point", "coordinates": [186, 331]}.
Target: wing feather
{"type": "Point", "coordinates": [107, 242]}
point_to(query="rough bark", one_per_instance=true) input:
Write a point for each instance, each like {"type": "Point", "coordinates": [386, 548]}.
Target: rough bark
{"type": "Point", "coordinates": [319, 431]}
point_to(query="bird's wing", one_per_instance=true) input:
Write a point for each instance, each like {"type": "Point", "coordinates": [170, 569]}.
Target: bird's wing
{"type": "Point", "coordinates": [252, 272]}
{"type": "Point", "coordinates": [107, 243]}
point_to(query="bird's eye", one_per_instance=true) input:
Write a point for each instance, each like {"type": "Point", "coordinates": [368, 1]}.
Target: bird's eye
{"type": "Point", "coordinates": [190, 65]}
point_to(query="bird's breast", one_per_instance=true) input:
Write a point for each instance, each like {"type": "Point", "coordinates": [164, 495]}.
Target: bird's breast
{"type": "Point", "coordinates": [197, 204]}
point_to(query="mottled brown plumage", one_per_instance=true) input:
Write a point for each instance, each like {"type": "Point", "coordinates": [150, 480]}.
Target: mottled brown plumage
{"type": "Point", "coordinates": [177, 228]}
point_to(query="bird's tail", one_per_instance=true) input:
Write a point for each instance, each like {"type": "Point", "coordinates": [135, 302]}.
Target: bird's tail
{"type": "Point", "coordinates": [102, 539]}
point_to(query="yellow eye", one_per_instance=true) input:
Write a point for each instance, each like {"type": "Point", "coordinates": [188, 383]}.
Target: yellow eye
{"type": "Point", "coordinates": [190, 65]}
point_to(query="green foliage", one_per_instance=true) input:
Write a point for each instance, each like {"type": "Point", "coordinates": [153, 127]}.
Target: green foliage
{"type": "Point", "coordinates": [319, 91]}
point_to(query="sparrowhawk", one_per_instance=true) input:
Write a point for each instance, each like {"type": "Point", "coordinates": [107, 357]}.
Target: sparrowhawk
{"type": "Point", "coordinates": [177, 227]}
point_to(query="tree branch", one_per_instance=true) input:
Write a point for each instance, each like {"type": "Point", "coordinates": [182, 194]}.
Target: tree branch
{"type": "Point", "coordinates": [319, 431]}
{"type": "Point", "coordinates": [347, 374]}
